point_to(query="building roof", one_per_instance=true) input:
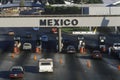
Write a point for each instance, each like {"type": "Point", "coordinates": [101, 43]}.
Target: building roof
{"type": "Point", "coordinates": [17, 5]}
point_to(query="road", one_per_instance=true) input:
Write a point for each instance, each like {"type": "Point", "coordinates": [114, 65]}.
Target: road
{"type": "Point", "coordinates": [73, 66]}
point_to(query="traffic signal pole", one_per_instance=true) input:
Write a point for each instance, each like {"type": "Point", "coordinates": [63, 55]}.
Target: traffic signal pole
{"type": "Point", "coordinates": [59, 39]}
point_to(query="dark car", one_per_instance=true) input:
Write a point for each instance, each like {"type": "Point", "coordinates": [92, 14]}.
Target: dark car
{"type": "Point", "coordinates": [28, 35]}
{"type": "Point", "coordinates": [16, 72]}
{"type": "Point", "coordinates": [70, 49]}
{"type": "Point", "coordinates": [96, 54]}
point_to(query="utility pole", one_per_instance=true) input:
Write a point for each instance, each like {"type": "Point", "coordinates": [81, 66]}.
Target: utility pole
{"type": "Point", "coordinates": [59, 40]}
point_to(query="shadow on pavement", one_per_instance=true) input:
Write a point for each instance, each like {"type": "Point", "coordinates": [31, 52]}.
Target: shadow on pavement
{"type": "Point", "coordinates": [114, 57]}
{"type": "Point", "coordinates": [84, 57]}
{"type": "Point", "coordinates": [31, 69]}
{"type": "Point", "coordinates": [4, 74]}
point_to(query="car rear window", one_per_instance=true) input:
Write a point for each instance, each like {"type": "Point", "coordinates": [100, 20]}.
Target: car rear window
{"type": "Point", "coordinates": [45, 63]}
{"type": "Point", "coordinates": [16, 69]}
{"type": "Point", "coordinates": [96, 51]}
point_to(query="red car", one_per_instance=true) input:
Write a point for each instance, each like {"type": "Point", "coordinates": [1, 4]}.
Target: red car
{"type": "Point", "coordinates": [96, 54]}
{"type": "Point", "coordinates": [16, 72]}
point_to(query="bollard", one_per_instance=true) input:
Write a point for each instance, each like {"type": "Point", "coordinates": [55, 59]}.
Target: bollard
{"type": "Point", "coordinates": [81, 49]}
{"type": "Point", "coordinates": [37, 50]}
{"type": "Point", "coordinates": [104, 49]}
{"type": "Point", "coordinates": [84, 50]}
{"type": "Point", "coordinates": [88, 64]}
{"type": "Point", "coordinates": [12, 55]}
{"type": "Point", "coordinates": [18, 50]}
{"type": "Point", "coordinates": [119, 67]}
{"type": "Point", "coordinates": [61, 61]}
{"type": "Point", "coordinates": [15, 50]}
{"type": "Point", "coordinates": [35, 57]}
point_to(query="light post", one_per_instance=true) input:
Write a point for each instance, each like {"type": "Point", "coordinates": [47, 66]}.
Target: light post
{"type": "Point", "coordinates": [82, 6]}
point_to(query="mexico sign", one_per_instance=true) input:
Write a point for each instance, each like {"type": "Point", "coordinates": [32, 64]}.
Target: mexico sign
{"type": "Point", "coordinates": [45, 21]}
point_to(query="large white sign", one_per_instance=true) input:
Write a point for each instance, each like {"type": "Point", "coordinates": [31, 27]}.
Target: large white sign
{"type": "Point", "coordinates": [97, 21]}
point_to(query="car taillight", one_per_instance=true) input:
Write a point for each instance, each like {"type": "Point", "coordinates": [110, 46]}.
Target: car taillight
{"type": "Point", "coordinates": [20, 75]}
{"type": "Point", "coordinates": [11, 75]}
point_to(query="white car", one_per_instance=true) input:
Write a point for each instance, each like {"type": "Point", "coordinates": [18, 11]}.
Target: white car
{"type": "Point", "coordinates": [116, 49]}
{"type": "Point", "coordinates": [44, 38]}
{"type": "Point", "coordinates": [27, 46]}
{"type": "Point", "coordinates": [46, 65]}
{"type": "Point", "coordinates": [116, 46]}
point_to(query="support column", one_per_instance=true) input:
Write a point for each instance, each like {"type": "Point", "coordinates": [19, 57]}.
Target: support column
{"type": "Point", "coordinates": [90, 28]}
{"type": "Point", "coordinates": [116, 29]}
{"type": "Point", "coordinates": [59, 40]}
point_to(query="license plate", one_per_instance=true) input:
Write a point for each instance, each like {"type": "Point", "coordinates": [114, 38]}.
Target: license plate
{"type": "Point", "coordinates": [15, 74]}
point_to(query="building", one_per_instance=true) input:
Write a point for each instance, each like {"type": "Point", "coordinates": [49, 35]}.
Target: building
{"type": "Point", "coordinates": [26, 1]}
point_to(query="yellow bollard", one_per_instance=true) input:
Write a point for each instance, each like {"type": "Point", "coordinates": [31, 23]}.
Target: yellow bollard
{"type": "Point", "coordinates": [119, 67]}
{"type": "Point", "coordinates": [61, 61]}
{"type": "Point", "coordinates": [88, 64]}
{"type": "Point", "coordinates": [35, 57]}
{"type": "Point", "coordinates": [81, 50]}
{"type": "Point", "coordinates": [12, 55]}
{"type": "Point", "coordinates": [15, 50]}
{"type": "Point", "coordinates": [37, 50]}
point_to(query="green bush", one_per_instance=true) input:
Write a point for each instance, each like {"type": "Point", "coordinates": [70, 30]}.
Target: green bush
{"type": "Point", "coordinates": [62, 10]}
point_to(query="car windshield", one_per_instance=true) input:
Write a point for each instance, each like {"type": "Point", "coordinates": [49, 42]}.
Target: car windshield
{"type": "Point", "coordinates": [16, 69]}
{"type": "Point", "coordinates": [27, 44]}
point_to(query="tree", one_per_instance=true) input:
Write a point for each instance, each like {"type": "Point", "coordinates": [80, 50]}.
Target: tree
{"type": "Point", "coordinates": [22, 3]}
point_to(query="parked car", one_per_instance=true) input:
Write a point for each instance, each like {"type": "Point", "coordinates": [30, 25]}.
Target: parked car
{"type": "Point", "coordinates": [44, 38]}
{"type": "Point", "coordinates": [16, 72]}
{"type": "Point", "coordinates": [27, 46]}
{"type": "Point", "coordinates": [28, 35]}
{"type": "Point", "coordinates": [96, 54]}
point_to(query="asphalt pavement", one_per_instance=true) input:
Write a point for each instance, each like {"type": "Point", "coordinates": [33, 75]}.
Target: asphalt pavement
{"type": "Point", "coordinates": [73, 66]}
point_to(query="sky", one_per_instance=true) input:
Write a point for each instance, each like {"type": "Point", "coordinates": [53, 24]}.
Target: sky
{"type": "Point", "coordinates": [109, 1]}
